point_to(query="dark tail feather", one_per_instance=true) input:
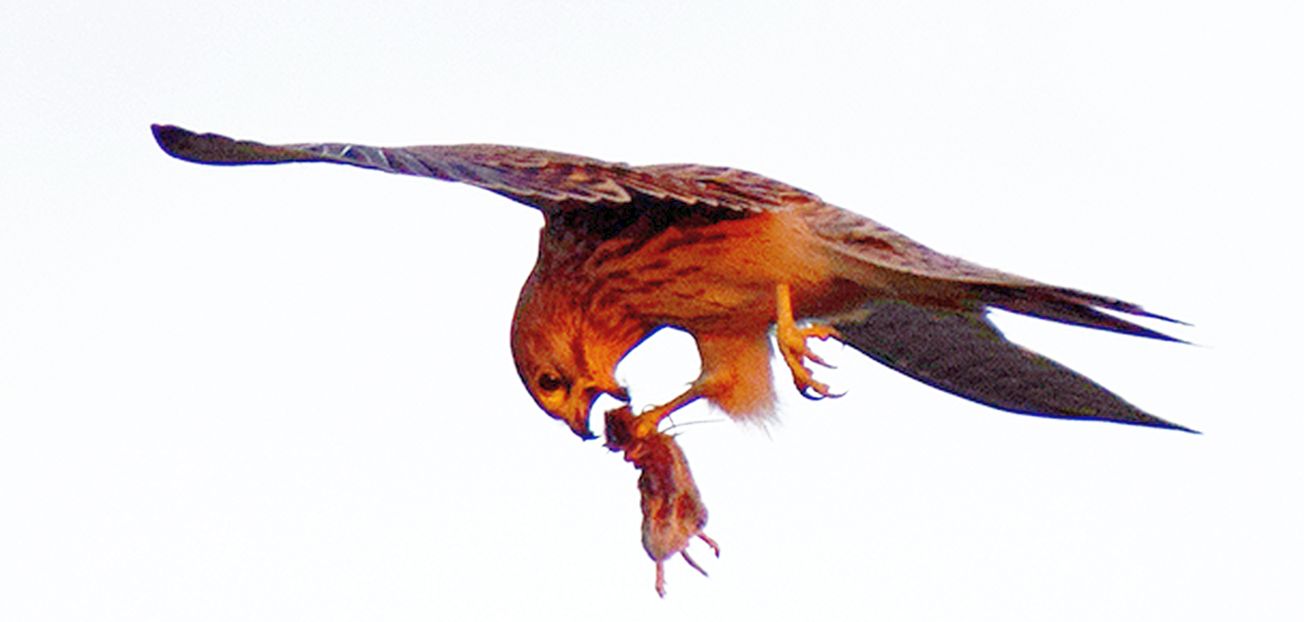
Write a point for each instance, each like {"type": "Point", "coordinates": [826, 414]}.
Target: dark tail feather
{"type": "Point", "coordinates": [962, 353]}
{"type": "Point", "coordinates": [1072, 307]}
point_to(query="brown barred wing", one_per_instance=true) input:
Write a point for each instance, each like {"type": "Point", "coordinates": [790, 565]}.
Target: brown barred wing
{"type": "Point", "coordinates": [548, 180]}
{"type": "Point", "coordinates": [856, 239]}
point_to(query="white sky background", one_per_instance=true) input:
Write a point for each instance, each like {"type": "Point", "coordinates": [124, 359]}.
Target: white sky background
{"type": "Point", "coordinates": [272, 393]}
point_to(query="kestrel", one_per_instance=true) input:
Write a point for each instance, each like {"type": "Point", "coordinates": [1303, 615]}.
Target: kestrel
{"type": "Point", "coordinates": [726, 255]}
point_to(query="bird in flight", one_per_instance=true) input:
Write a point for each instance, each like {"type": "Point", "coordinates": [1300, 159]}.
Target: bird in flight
{"type": "Point", "coordinates": [727, 256]}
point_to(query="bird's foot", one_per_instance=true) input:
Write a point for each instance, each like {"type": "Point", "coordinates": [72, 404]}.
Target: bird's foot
{"type": "Point", "coordinates": [792, 345]}
{"type": "Point", "coordinates": [796, 353]}
{"type": "Point", "coordinates": [646, 423]}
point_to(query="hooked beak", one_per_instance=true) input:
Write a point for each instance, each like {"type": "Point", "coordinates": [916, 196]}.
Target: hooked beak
{"type": "Point", "coordinates": [579, 424]}
{"type": "Point", "coordinates": [576, 413]}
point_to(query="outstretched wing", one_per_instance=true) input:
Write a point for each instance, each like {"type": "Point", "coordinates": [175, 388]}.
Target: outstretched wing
{"type": "Point", "coordinates": [860, 240]}
{"type": "Point", "coordinates": [962, 353]}
{"type": "Point", "coordinates": [547, 180]}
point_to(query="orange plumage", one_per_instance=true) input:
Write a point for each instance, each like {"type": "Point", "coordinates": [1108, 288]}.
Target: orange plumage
{"type": "Point", "coordinates": [728, 255]}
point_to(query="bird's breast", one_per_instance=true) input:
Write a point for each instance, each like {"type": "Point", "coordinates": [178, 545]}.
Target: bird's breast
{"type": "Point", "coordinates": [717, 276]}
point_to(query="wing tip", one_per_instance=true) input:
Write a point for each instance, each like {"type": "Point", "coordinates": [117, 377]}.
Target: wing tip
{"type": "Point", "coordinates": [184, 144]}
{"type": "Point", "coordinates": [1135, 418]}
{"type": "Point", "coordinates": [1158, 336]}
{"type": "Point", "coordinates": [170, 138]}
{"type": "Point", "coordinates": [1139, 311]}
{"type": "Point", "coordinates": [1163, 425]}
{"type": "Point", "coordinates": [1071, 306]}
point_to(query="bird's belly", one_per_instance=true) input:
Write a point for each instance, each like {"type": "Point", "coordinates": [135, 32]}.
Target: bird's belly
{"type": "Point", "coordinates": [722, 276]}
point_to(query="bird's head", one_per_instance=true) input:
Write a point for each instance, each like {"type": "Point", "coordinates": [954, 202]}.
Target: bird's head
{"type": "Point", "coordinates": [566, 362]}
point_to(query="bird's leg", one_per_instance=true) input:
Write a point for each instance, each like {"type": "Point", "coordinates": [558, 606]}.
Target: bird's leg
{"type": "Point", "coordinates": [647, 422]}
{"type": "Point", "coordinates": [792, 345]}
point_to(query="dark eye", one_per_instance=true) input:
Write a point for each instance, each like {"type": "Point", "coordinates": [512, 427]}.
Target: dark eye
{"type": "Point", "coordinates": [549, 383]}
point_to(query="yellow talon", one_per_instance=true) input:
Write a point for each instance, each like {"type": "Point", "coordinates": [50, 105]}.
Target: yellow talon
{"type": "Point", "coordinates": [647, 422]}
{"type": "Point", "coordinates": [792, 345]}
